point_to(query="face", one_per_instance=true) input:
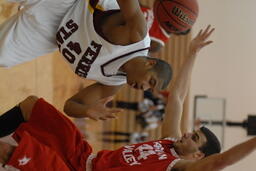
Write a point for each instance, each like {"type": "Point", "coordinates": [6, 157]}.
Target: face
{"type": "Point", "coordinates": [140, 76]}
{"type": "Point", "coordinates": [190, 143]}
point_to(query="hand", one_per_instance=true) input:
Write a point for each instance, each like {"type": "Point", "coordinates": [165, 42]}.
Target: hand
{"type": "Point", "coordinates": [200, 40]}
{"type": "Point", "coordinates": [99, 111]}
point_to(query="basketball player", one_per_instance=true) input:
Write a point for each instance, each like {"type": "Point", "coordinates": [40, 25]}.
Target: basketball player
{"type": "Point", "coordinates": [47, 140]}
{"type": "Point", "coordinates": [102, 40]}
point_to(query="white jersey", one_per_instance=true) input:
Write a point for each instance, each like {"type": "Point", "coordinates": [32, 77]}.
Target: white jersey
{"type": "Point", "coordinates": [89, 54]}
{"type": "Point", "coordinates": [32, 31]}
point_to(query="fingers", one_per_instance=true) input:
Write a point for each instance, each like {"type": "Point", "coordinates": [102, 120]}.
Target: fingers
{"type": "Point", "coordinates": [111, 113]}
{"type": "Point", "coordinates": [207, 32]}
{"type": "Point", "coordinates": [115, 111]}
{"type": "Point", "coordinates": [199, 33]}
{"type": "Point", "coordinates": [106, 100]}
{"type": "Point", "coordinates": [107, 117]}
{"type": "Point", "coordinates": [206, 43]}
{"type": "Point", "coordinates": [93, 118]}
{"type": "Point", "coordinates": [103, 118]}
{"type": "Point", "coordinates": [104, 115]}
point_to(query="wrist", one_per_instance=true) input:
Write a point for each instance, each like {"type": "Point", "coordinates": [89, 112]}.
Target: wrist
{"type": "Point", "coordinates": [192, 54]}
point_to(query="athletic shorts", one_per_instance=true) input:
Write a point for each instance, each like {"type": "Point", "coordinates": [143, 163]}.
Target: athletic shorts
{"type": "Point", "coordinates": [32, 31]}
{"type": "Point", "coordinates": [49, 141]}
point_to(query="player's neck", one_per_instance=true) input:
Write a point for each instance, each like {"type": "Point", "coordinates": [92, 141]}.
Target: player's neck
{"type": "Point", "coordinates": [126, 66]}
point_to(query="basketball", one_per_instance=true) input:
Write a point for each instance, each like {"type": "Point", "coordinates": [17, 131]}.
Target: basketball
{"type": "Point", "coordinates": [176, 15]}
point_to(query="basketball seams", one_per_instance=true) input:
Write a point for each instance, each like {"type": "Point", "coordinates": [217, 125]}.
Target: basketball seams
{"type": "Point", "coordinates": [167, 13]}
{"type": "Point", "coordinates": [185, 7]}
{"type": "Point", "coordinates": [177, 13]}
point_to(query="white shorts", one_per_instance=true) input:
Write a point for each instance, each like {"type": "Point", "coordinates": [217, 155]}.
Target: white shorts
{"type": "Point", "coordinates": [31, 32]}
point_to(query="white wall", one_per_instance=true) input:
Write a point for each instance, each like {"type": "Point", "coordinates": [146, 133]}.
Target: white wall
{"type": "Point", "coordinates": [227, 68]}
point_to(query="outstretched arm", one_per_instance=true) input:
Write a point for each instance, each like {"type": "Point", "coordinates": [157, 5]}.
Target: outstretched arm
{"type": "Point", "coordinates": [218, 162]}
{"type": "Point", "coordinates": [179, 89]}
{"type": "Point", "coordinates": [91, 102]}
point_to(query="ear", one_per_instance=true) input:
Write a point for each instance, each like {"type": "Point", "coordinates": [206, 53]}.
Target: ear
{"type": "Point", "coordinates": [198, 155]}
{"type": "Point", "coordinates": [150, 62]}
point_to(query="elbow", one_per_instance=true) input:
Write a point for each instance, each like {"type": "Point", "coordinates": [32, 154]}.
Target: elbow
{"type": "Point", "coordinates": [175, 96]}
{"type": "Point", "coordinates": [66, 109]}
{"type": "Point", "coordinates": [27, 106]}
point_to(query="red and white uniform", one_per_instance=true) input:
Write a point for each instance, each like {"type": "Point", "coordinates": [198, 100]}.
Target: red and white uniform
{"type": "Point", "coordinates": [154, 156]}
{"type": "Point", "coordinates": [156, 32]}
{"type": "Point", "coordinates": [50, 141]}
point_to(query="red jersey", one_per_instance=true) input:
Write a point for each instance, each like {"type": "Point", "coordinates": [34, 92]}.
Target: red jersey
{"type": "Point", "coordinates": [156, 32]}
{"type": "Point", "coordinates": [50, 141]}
{"type": "Point", "coordinates": [154, 156]}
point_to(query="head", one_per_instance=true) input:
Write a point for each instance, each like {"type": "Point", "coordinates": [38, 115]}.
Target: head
{"type": "Point", "coordinates": [197, 145]}
{"type": "Point", "coordinates": [148, 73]}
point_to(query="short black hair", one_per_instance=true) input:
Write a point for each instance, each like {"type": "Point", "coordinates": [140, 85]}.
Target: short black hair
{"type": "Point", "coordinates": [163, 71]}
{"type": "Point", "coordinates": [212, 145]}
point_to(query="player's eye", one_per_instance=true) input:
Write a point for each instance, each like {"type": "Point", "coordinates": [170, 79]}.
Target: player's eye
{"type": "Point", "coordinates": [193, 137]}
{"type": "Point", "coordinates": [152, 82]}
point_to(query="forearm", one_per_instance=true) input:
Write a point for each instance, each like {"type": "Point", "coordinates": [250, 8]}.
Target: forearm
{"type": "Point", "coordinates": [182, 83]}
{"type": "Point", "coordinates": [180, 87]}
{"type": "Point", "coordinates": [185, 120]}
{"type": "Point", "coordinates": [238, 152]}
{"type": "Point", "coordinates": [174, 120]}
{"type": "Point", "coordinates": [75, 109]}
{"type": "Point", "coordinates": [90, 101]}
{"type": "Point", "coordinates": [218, 162]}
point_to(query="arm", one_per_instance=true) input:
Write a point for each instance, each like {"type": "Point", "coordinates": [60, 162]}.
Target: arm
{"type": "Point", "coordinates": [27, 105]}
{"type": "Point", "coordinates": [90, 102]}
{"type": "Point", "coordinates": [185, 120]}
{"type": "Point", "coordinates": [134, 18]}
{"type": "Point", "coordinates": [220, 161]}
{"type": "Point", "coordinates": [179, 89]}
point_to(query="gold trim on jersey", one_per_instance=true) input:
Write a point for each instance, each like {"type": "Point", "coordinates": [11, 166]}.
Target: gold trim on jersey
{"type": "Point", "coordinates": [91, 9]}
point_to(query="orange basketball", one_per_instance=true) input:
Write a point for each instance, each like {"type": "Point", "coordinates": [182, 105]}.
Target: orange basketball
{"type": "Point", "coordinates": [176, 15]}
